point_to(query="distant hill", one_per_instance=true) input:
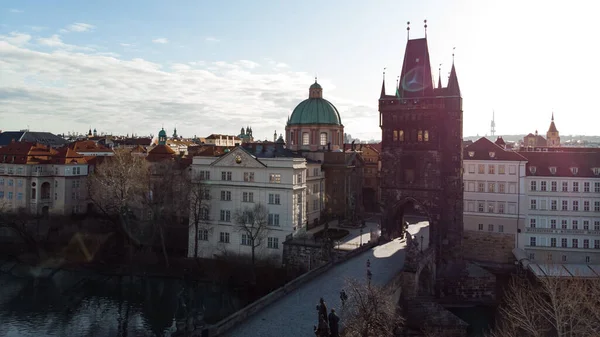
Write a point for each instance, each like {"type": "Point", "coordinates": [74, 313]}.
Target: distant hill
{"type": "Point", "coordinates": [563, 138]}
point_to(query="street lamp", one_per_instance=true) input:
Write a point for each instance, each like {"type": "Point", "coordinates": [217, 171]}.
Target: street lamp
{"type": "Point", "coordinates": [421, 243]}
{"type": "Point", "coordinates": [361, 234]}
{"type": "Point", "coordinates": [369, 275]}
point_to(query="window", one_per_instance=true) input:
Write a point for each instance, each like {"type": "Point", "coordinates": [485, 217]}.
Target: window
{"type": "Point", "coordinates": [275, 178]}
{"type": "Point", "coordinates": [586, 206]}
{"type": "Point", "coordinates": [575, 186]}
{"type": "Point", "coordinates": [549, 257]}
{"type": "Point", "coordinates": [553, 223]}
{"type": "Point", "coordinates": [481, 187]}
{"type": "Point", "coordinates": [246, 240]}
{"type": "Point", "coordinates": [224, 237]}
{"type": "Point", "coordinates": [502, 187]}
{"type": "Point", "coordinates": [490, 228]}
{"type": "Point", "coordinates": [563, 242]}
{"type": "Point", "coordinates": [203, 235]}
{"type": "Point", "coordinates": [501, 207]}
{"type": "Point", "coordinates": [305, 138]}
{"type": "Point", "coordinates": [225, 216]}
{"type": "Point", "coordinates": [471, 168]}
{"type": "Point", "coordinates": [395, 135]}
{"type": "Point", "coordinates": [512, 169]}
{"type": "Point", "coordinates": [273, 220]}
{"type": "Point", "coordinates": [565, 205]}
{"type": "Point", "coordinates": [491, 187]}
{"type": "Point", "coordinates": [299, 178]}
{"type": "Point", "coordinates": [587, 259]}
{"type": "Point", "coordinates": [565, 186]}
{"type": "Point", "coordinates": [501, 169]}
{"type": "Point", "coordinates": [532, 223]}
{"type": "Point", "coordinates": [543, 186]}
{"type": "Point", "coordinates": [19, 196]}
{"type": "Point", "coordinates": [74, 183]}
{"type": "Point", "coordinates": [491, 169]}
{"type": "Point", "coordinates": [586, 187]}
{"type": "Point", "coordinates": [10, 182]}
{"type": "Point", "coordinates": [273, 243]}
{"type": "Point", "coordinates": [490, 207]}
{"type": "Point", "coordinates": [553, 187]}
{"type": "Point", "coordinates": [315, 204]}
{"type": "Point", "coordinates": [204, 175]}
{"type": "Point", "coordinates": [204, 213]}
{"type": "Point", "coordinates": [426, 135]}
{"type": "Point", "coordinates": [249, 176]}
{"type": "Point", "coordinates": [575, 224]}
{"type": "Point", "coordinates": [226, 195]}
{"type": "Point", "coordinates": [501, 228]}
{"type": "Point", "coordinates": [564, 258]}
{"type": "Point", "coordinates": [401, 135]}
{"type": "Point", "coordinates": [552, 242]}
{"type": "Point", "coordinates": [481, 169]}
{"type": "Point", "coordinates": [1, 181]}
{"type": "Point", "coordinates": [480, 227]}
{"type": "Point", "coordinates": [596, 244]}
{"type": "Point", "coordinates": [533, 204]}
{"type": "Point", "coordinates": [274, 199]}
{"type": "Point", "coordinates": [586, 243]}
{"type": "Point", "coordinates": [532, 169]}
{"type": "Point", "coordinates": [20, 182]}
{"type": "Point", "coordinates": [76, 170]}
{"type": "Point", "coordinates": [480, 206]}
{"type": "Point", "coordinates": [574, 170]}
{"type": "Point", "coordinates": [532, 241]}
{"type": "Point", "coordinates": [563, 224]}
{"type": "Point", "coordinates": [226, 175]}
{"type": "Point", "coordinates": [532, 256]}
{"type": "Point", "coordinates": [597, 225]}
{"type": "Point", "coordinates": [575, 205]}
{"type": "Point", "coordinates": [597, 187]}
{"type": "Point", "coordinates": [553, 205]}
{"type": "Point", "coordinates": [248, 197]}
{"type": "Point", "coordinates": [586, 225]}
{"type": "Point", "coordinates": [420, 136]}
{"type": "Point", "coordinates": [10, 195]}
{"type": "Point", "coordinates": [533, 185]}
{"type": "Point", "coordinates": [323, 138]}
{"type": "Point", "coordinates": [1, 194]}
{"type": "Point", "coordinates": [575, 243]}
{"type": "Point", "coordinates": [596, 206]}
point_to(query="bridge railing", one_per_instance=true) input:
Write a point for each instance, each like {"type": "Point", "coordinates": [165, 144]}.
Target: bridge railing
{"type": "Point", "coordinates": [240, 316]}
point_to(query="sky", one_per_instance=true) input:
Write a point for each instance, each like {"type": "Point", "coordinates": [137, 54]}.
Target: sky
{"type": "Point", "coordinates": [206, 67]}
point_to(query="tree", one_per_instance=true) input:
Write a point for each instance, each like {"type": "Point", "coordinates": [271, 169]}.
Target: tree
{"type": "Point", "coordinates": [17, 223]}
{"type": "Point", "coordinates": [550, 306]}
{"type": "Point", "coordinates": [253, 223]}
{"type": "Point", "coordinates": [199, 195]}
{"type": "Point", "coordinates": [369, 311]}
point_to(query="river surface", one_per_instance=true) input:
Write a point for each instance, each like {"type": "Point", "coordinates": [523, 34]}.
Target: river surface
{"type": "Point", "coordinates": [69, 304]}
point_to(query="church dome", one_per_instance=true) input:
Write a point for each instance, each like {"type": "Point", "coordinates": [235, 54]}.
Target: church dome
{"type": "Point", "coordinates": [315, 109]}
{"type": "Point", "coordinates": [162, 133]}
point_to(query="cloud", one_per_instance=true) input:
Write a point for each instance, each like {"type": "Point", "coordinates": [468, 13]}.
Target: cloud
{"type": "Point", "coordinates": [126, 44]}
{"type": "Point", "coordinates": [14, 10]}
{"type": "Point", "coordinates": [78, 27]}
{"type": "Point", "coordinates": [80, 88]}
{"type": "Point", "coordinates": [161, 40]}
{"type": "Point", "coordinates": [16, 38]}
{"type": "Point", "coordinates": [37, 28]}
{"type": "Point", "coordinates": [211, 39]}
{"type": "Point", "coordinates": [55, 42]}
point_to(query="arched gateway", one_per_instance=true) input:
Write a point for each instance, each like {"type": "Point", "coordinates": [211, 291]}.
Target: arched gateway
{"type": "Point", "coordinates": [422, 152]}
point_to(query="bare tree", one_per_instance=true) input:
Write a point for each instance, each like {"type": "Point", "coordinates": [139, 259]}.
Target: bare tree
{"type": "Point", "coordinates": [17, 223]}
{"type": "Point", "coordinates": [253, 222]}
{"type": "Point", "coordinates": [199, 195]}
{"type": "Point", "coordinates": [369, 312]}
{"type": "Point", "coordinates": [556, 306]}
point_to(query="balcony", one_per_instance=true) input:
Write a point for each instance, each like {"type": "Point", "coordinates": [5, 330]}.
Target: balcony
{"type": "Point", "coordinates": [561, 231]}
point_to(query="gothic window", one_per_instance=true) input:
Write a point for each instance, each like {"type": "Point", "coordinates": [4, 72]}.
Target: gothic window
{"type": "Point", "coordinates": [323, 139]}
{"type": "Point", "coordinates": [401, 135]}
{"type": "Point", "coordinates": [413, 135]}
{"type": "Point", "coordinates": [420, 136]}
{"type": "Point", "coordinates": [426, 135]}
{"type": "Point", "coordinates": [305, 138]}
{"type": "Point", "coordinates": [395, 136]}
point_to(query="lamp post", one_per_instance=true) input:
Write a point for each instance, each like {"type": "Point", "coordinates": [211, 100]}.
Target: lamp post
{"type": "Point", "coordinates": [361, 234]}
{"type": "Point", "coordinates": [369, 276]}
{"type": "Point", "coordinates": [421, 243]}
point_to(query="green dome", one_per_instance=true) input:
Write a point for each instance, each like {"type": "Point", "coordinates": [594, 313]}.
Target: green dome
{"type": "Point", "coordinates": [316, 86]}
{"type": "Point", "coordinates": [162, 133]}
{"type": "Point", "coordinates": [315, 111]}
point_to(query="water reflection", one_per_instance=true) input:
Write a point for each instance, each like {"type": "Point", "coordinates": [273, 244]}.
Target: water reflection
{"type": "Point", "coordinates": [72, 304]}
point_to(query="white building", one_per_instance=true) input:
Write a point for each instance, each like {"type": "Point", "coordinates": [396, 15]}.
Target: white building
{"type": "Point", "coordinates": [41, 180]}
{"type": "Point", "coordinates": [274, 177]}
{"type": "Point", "coordinates": [223, 140]}
{"type": "Point", "coordinates": [493, 189]}
{"type": "Point", "coordinates": [563, 207]}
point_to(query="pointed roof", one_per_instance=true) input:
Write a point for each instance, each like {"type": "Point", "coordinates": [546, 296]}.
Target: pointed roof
{"type": "Point", "coordinates": [453, 88]}
{"type": "Point", "coordinates": [415, 78]}
{"type": "Point", "coordinates": [482, 148]}
{"type": "Point", "coordinates": [552, 127]}
{"type": "Point", "coordinates": [382, 88]}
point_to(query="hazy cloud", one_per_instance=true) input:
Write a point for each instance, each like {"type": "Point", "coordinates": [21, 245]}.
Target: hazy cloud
{"type": "Point", "coordinates": [16, 38]}
{"type": "Point", "coordinates": [161, 40]}
{"type": "Point", "coordinates": [79, 88]}
{"type": "Point", "coordinates": [211, 39]}
{"type": "Point", "coordinates": [14, 10]}
{"type": "Point", "coordinates": [78, 27]}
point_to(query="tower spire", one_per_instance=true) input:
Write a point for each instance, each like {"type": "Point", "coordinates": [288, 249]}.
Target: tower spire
{"type": "Point", "coordinates": [453, 88]}
{"type": "Point", "coordinates": [425, 21]}
{"type": "Point", "coordinates": [493, 124]}
{"type": "Point", "coordinates": [398, 86]}
{"type": "Point", "coordinates": [383, 85]}
{"type": "Point", "coordinates": [440, 77]}
{"type": "Point", "coordinates": [553, 116]}
{"type": "Point", "coordinates": [408, 30]}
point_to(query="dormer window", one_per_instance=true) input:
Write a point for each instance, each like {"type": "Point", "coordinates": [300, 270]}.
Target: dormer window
{"type": "Point", "coordinates": [532, 169]}
{"type": "Point", "coordinates": [574, 170]}
{"type": "Point", "coordinates": [492, 154]}
{"type": "Point", "coordinates": [596, 171]}
{"type": "Point", "coordinates": [471, 154]}
{"type": "Point", "coordinates": [552, 169]}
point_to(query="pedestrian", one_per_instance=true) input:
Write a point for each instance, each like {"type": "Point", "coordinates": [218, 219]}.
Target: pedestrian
{"type": "Point", "coordinates": [368, 263]}
{"type": "Point", "coordinates": [343, 297]}
{"type": "Point", "coordinates": [334, 320]}
{"type": "Point", "coordinates": [322, 308]}
{"type": "Point", "coordinates": [322, 330]}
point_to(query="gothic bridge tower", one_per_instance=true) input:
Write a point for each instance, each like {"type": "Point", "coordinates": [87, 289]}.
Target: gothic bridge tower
{"type": "Point", "coordinates": [422, 152]}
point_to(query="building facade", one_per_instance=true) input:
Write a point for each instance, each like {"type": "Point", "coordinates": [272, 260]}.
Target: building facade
{"type": "Point", "coordinates": [222, 140]}
{"type": "Point", "coordinates": [422, 151]}
{"type": "Point", "coordinates": [562, 208]}
{"type": "Point", "coordinates": [240, 179]}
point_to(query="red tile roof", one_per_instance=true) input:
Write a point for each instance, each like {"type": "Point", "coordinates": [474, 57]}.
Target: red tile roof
{"type": "Point", "coordinates": [483, 148]}
{"type": "Point", "coordinates": [34, 153]}
{"type": "Point", "coordinates": [563, 161]}
{"type": "Point", "coordinates": [88, 146]}
{"type": "Point", "coordinates": [160, 152]}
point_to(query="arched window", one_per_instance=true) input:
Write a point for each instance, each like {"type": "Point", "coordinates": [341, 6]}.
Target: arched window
{"type": "Point", "coordinates": [426, 135]}
{"type": "Point", "coordinates": [401, 135]}
{"type": "Point", "coordinates": [420, 136]}
{"type": "Point", "coordinates": [323, 138]}
{"type": "Point", "coordinates": [395, 138]}
{"type": "Point", "coordinates": [292, 138]}
{"type": "Point", "coordinates": [305, 138]}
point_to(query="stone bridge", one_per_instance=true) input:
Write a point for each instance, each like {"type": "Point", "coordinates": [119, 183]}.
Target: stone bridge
{"type": "Point", "coordinates": [290, 310]}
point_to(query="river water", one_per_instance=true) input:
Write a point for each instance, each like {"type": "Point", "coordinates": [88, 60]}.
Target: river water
{"type": "Point", "coordinates": [69, 304]}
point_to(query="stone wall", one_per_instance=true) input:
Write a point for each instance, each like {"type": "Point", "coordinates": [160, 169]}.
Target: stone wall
{"type": "Point", "coordinates": [475, 285]}
{"type": "Point", "coordinates": [488, 246]}
{"type": "Point", "coordinates": [307, 255]}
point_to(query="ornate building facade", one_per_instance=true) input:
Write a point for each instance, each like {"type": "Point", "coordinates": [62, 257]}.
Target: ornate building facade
{"type": "Point", "coordinates": [422, 151]}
